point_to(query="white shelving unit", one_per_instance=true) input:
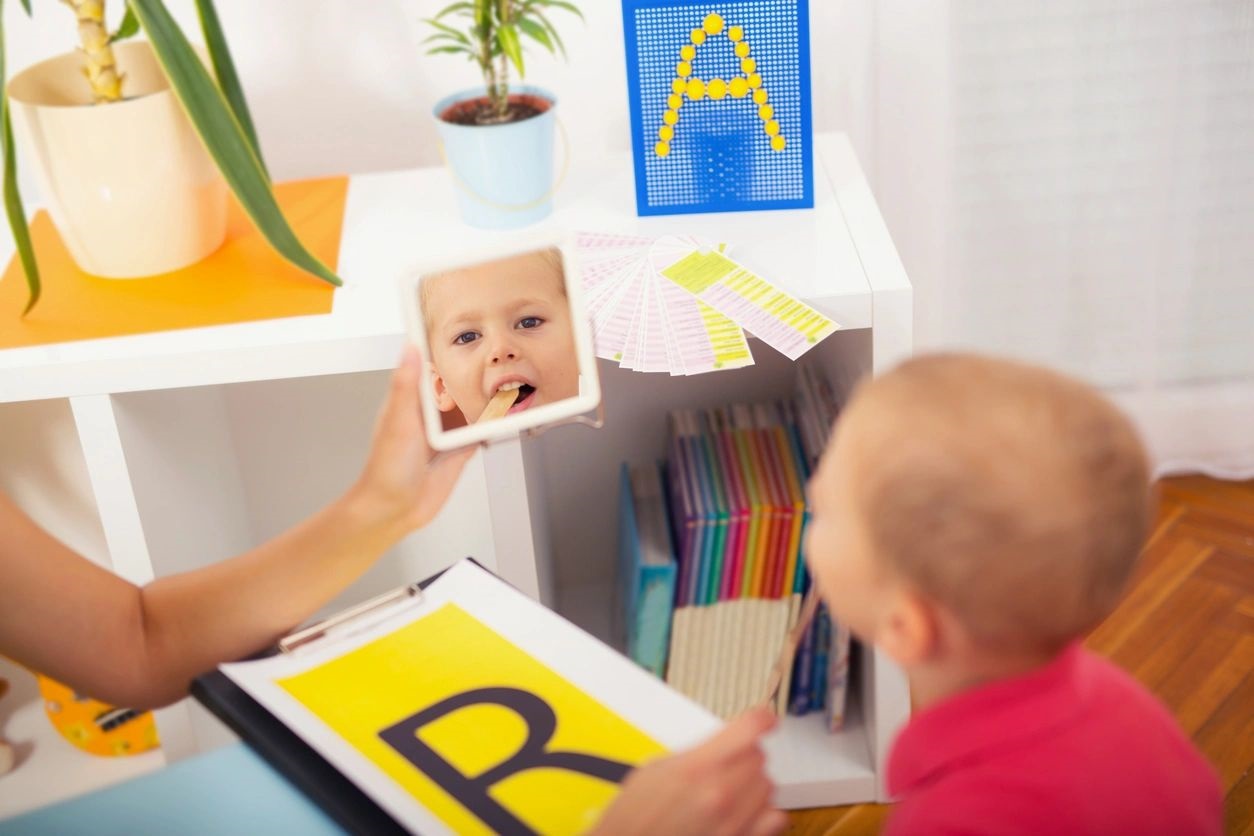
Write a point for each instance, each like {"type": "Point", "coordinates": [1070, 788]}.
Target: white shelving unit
{"type": "Point", "coordinates": [197, 444]}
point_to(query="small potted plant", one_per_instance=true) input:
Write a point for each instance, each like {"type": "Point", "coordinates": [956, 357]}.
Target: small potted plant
{"type": "Point", "coordinates": [130, 144]}
{"type": "Point", "coordinates": [498, 140]}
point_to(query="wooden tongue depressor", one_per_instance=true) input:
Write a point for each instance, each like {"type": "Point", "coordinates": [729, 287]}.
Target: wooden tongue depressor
{"type": "Point", "coordinates": [499, 405]}
{"type": "Point", "coordinates": [779, 673]}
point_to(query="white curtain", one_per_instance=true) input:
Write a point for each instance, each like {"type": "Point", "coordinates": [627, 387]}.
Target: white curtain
{"type": "Point", "coordinates": [1072, 182]}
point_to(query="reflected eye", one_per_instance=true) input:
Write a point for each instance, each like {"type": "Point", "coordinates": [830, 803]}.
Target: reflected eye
{"type": "Point", "coordinates": [465, 338]}
{"type": "Point", "coordinates": [528, 322]}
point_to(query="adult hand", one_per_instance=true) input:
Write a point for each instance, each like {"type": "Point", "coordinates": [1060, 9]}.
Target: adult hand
{"type": "Point", "coordinates": [719, 787]}
{"type": "Point", "coordinates": [402, 477]}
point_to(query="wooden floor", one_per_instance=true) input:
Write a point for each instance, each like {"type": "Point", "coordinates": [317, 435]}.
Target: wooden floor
{"type": "Point", "coordinates": [1185, 630]}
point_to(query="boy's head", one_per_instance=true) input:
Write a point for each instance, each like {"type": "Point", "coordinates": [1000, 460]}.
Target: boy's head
{"type": "Point", "coordinates": [976, 500]}
{"type": "Point", "coordinates": [501, 324]}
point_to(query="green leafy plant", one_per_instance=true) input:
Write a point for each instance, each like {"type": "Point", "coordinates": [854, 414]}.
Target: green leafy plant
{"type": "Point", "coordinates": [491, 34]}
{"type": "Point", "coordinates": [214, 104]}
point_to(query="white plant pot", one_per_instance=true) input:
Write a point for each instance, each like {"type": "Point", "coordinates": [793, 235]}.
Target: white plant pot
{"type": "Point", "coordinates": [129, 185]}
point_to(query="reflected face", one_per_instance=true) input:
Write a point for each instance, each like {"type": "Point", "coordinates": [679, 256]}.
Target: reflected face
{"type": "Point", "coordinates": [502, 325]}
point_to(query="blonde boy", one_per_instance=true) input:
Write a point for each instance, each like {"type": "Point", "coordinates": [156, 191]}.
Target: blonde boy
{"type": "Point", "coordinates": [974, 518]}
{"type": "Point", "coordinates": [500, 325]}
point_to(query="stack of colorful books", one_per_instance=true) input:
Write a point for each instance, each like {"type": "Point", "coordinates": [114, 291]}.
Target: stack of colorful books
{"type": "Point", "coordinates": [729, 559]}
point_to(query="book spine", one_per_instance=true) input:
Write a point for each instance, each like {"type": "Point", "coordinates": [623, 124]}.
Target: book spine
{"type": "Point", "coordinates": [802, 670]}
{"type": "Point", "coordinates": [822, 646]}
{"type": "Point", "coordinates": [838, 677]}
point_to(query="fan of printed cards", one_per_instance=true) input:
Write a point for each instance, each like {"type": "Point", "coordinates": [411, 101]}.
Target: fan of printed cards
{"type": "Point", "coordinates": [678, 304]}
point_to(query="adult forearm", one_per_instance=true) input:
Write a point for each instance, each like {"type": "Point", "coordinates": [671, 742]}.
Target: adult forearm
{"type": "Point", "coordinates": [197, 620]}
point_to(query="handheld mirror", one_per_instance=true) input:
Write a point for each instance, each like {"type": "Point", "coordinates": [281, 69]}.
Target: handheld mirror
{"type": "Point", "coordinates": [505, 343]}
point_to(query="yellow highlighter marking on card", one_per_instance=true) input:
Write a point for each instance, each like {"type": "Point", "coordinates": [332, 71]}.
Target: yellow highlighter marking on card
{"type": "Point", "coordinates": [792, 312]}
{"type": "Point", "coordinates": [698, 271]}
{"type": "Point", "coordinates": [731, 349]}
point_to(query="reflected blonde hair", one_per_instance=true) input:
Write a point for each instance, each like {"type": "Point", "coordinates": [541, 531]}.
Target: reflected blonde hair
{"type": "Point", "coordinates": [551, 255]}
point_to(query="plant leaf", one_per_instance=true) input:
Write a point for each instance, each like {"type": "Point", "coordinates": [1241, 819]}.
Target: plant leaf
{"type": "Point", "coordinates": [222, 135]}
{"type": "Point", "coordinates": [483, 16]}
{"type": "Point", "coordinates": [447, 30]}
{"type": "Point", "coordinates": [128, 28]}
{"type": "Point", "coordinates": [13, 208]}
{"type": "Point", "coordinates": [507, 34]}
{"type": "Point", "coordinates": [556, 4]}
{"type": "Point", "coordinates": [17, 213]}
{"type": "Point", "coordinates": [557, 39]}
{"type": "Point", "coordinates": [26, 6]}
{"type": "Point", "coordinates": [456, 7]}
{"type": "Point", "coordinates": [444, 36]}
{"type": "Point", "coordinates": [536, 32]}
{"type": "Point", "coordinates": [228, 79]}
{"type": "Point", "coordinates": [451, 50]}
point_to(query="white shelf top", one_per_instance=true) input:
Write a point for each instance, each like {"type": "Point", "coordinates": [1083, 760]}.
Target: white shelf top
{"type": "Point", "coordinates": [395, 220]}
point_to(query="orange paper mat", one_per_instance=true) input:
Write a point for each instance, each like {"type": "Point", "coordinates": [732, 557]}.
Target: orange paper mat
{"type": "Point", "coordinates": [244, 280]}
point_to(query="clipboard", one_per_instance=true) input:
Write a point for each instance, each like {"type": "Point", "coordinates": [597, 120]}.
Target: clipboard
{"type": "Point", "coordinates": [340, 719]}
{"type": "Point", "coordinates": [286, 751]}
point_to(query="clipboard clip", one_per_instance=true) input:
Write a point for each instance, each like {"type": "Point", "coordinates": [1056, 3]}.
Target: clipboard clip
{"type": "Point", "coordinates": [354, 615]}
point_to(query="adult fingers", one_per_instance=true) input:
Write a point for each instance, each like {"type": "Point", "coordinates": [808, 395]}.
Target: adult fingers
{"type": "Point", "coordinates": [747, 793]}
{"type": "Point", "coordinates": [739, 737]}
{"type": "Point", "coordinates": [401, 408]}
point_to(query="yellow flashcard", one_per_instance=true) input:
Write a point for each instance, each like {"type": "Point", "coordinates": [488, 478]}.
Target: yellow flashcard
{"type": "Point", "coordinates": [478, 731]}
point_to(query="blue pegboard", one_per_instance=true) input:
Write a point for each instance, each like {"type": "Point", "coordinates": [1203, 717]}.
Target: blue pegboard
{"type": "Point", "coordinates": [711, 147]}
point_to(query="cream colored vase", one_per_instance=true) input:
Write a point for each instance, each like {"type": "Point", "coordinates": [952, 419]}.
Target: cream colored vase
{"type": "Point", "coordinates": [129, 185]}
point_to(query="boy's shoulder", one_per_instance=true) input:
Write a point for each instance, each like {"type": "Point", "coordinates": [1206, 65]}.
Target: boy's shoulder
{"type": "Point", "coordinates": [1077, 746]}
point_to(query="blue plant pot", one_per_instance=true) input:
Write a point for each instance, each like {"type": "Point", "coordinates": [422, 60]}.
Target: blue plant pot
{"type": "Point", "coordinates": [503, 173]}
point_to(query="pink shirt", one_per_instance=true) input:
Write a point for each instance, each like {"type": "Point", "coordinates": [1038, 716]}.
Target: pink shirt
{"type": "Point", "coordinates": [1077, 747]}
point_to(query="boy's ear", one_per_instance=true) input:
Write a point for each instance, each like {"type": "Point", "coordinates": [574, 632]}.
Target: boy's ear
{"type": "Point", "coordinates": [910, 630]}
{"type": "Point", "coordinates": [443, 400]}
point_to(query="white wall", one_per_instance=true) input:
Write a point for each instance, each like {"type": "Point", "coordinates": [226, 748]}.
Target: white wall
{"type": "Point", "coordinates": [342, 85]}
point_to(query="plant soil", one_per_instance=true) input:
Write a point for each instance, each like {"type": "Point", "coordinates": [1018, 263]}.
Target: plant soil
{"type": "Point", "coordinates": [522, 106]}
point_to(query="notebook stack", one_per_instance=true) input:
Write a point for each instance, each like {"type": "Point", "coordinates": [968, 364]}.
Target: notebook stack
{"type": "Point", "coordinates": [733, 492]}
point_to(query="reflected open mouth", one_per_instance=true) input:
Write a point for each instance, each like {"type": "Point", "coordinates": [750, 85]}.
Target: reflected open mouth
{"type": "Point", "coordinates": [523, 397]}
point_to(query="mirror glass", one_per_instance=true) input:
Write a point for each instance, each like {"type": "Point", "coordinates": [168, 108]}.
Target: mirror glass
{"type": "Point", "coordinates": [502, 343]}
